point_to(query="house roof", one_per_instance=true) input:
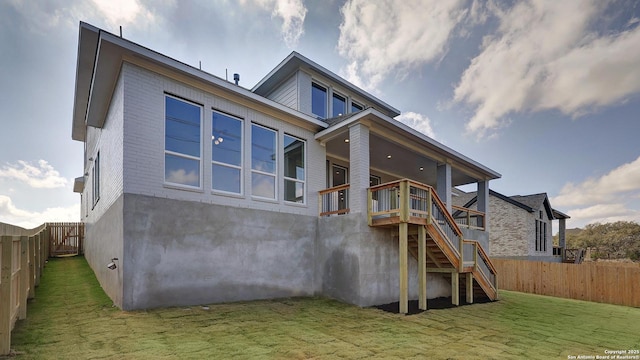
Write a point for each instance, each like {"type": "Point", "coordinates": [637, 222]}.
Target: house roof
{"type": "Point", "coordinates": [100, 57]}
{"type": "Point", "coordinates": [395, 131]}
{"type": "Point", "coordinates": [529, 203]}
{"type": "Point", "coordinates": [296, 61]}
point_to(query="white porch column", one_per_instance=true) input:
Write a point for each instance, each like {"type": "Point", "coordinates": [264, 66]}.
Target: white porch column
{"type": "Point", "coordinates": [443, 184]}
{"type": "Point", "coordinates": [359, 167]}
{"type": "Point", "coordinates": [483, 202]}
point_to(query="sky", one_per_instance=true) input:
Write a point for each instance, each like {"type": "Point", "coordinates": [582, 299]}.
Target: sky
{"type": "Point", "coordinates": [547, 93]}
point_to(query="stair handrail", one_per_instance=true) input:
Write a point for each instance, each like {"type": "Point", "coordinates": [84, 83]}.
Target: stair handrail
{"type": "Point", "coordinates": [480, 253]}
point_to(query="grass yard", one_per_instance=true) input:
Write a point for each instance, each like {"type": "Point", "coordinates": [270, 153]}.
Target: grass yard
{"type": "Point", "coordinates": [72, 318]}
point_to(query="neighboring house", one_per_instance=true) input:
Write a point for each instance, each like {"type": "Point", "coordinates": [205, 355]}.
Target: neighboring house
{"type": "Point", "coordinates": [521, 226]}
{"type": "Point", "coordinates": [205, 191]}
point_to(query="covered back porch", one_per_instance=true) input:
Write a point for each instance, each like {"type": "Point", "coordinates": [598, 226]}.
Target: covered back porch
{"type": "Point", "coordinates": [399, 178]}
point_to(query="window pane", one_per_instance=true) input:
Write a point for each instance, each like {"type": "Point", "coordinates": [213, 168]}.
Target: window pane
{"type": "Point", "coordinates": [225, 178]}
{"type": "Point", "coordinates": [179, 170]}
{"type": "Point", "coordinates": [339, 105]}
{"type": "Point", "coordinates": [355, 107]}
{"type": "Point", "coordinates": [294, 191]}
{"type": "Point", "coordinates": [263, 185]}
{"type": "Point", "coordinates": [226, 139]}
{"type": "Point", "coordinates": [182, 127]}
{"type": "Point", "coordinates": [293, 158]}
{"type": "Point", "coordinates": [263, 149]}
{"type": "Point", "coordinates": [319, 100]}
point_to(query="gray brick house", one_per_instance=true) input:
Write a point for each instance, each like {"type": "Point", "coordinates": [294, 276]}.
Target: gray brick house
{"type": "Point", "coordinates": [206, 191]}
{"type": "Point", "coordinates": [521, 226]}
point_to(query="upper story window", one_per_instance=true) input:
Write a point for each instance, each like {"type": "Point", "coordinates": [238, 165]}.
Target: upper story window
{"type": "Point", "coordinates": [226, 153]}
{"type": "Point", "coordinates": [182, 154]}
{"type": "Point", "coordinates": [355, 107]}
{"type": "Point", "coordinates": [319, 100]}
{"type": "Point", "coordinates": [263, 162]}
{"type": "Point", "coordinates": [294, 169]}
{"type": "Point", "coordinates": [339, 105]}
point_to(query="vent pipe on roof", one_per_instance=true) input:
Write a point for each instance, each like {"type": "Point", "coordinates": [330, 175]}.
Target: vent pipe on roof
{"type": "Point", "coordinates": [236, 78]}
{"type": "Point", "coordinates": [120, 30]}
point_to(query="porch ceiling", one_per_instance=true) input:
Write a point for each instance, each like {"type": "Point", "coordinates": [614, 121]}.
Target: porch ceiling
{"type": "Point", "coordinates": [404, 162]}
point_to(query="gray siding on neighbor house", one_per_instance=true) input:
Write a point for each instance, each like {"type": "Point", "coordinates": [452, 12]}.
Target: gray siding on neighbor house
{"type": "Point", "coordinates": [186, 253]}
{"type": "Point", "coordinates": [286, 93]}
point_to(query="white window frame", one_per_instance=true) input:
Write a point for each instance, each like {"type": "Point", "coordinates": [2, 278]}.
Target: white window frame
{"type": "Point", "coordinates": [241, 167]}
{"type": "Point", "coordinates": [346, 103]}
{"type": "Point", "coordinates": [303, 182]}
{"type": "Point", "coordinates": [275, 170]}
{"type": "Point", "coordinates": [95, 180]}
{"type": "Point", "coordinates": [186, 156]}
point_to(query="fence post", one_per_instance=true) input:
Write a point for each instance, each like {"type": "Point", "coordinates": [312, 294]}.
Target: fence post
{"type": "Point", "coordinates": [47, 243]}
{"type": "Point", "coordinates": [37, 262]}
{"type": "Point", "coordinates": [32, 267]}
{"type": "Point", "coordinates": [24, 277]}
{"type": "Point", "coordinates": [5, 294]}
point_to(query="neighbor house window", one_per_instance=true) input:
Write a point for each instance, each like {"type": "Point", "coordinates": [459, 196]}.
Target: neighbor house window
{"type": "Point", "coordinates": [226, 153]}
{"type": "Point", "coordinates": [356, 107]}
{"type": "Point", "coordinates": [263, 162]}
{"type": "Point", "coordinates": [183, 124]}
{"type": "Point", "coordinates": [319, 100]}
{"type": "Point", "coordinates": [294, 169]}
{"type": "Point", "coordinates": [95, 179]}
{"type": "Point", "coordinates": [339, 105]}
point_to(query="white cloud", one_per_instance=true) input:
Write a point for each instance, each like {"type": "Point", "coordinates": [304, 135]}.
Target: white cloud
{"type": "Point", "coordinates": [544, 56]}
{"type": "Point", "coordinates": [124, 12]}
{"type": "Point", "coordinates": [38, 175]}
{"type": "Point", "coordinates": [417, 121]}
{"type": "Point", "coordinates": [10, 214]}
{"type": "Point", "coordinates": [380, 37]}
{"type": "Point", "coordinates": [619, 182]}
{"type": "Point", "coordinates": [181, 176]}
{"type": "Point", "coordinates": [292, 13]}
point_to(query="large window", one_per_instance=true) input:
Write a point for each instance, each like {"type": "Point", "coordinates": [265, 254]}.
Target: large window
{"type": "Point", "coordinates": [226, 152]}
{"type": "Point", "coordinates": [339, 105]}
{"type": "Point", "coordinates": [355, 107]}
{"type": "Point", "coordinates": [263, 162]}
{"type": "Point", "coordinates": [183, 123]}
{"type": "Point", "coordinates": [294, 173]}
{"type": "Point", "coordinates": [319, 100]}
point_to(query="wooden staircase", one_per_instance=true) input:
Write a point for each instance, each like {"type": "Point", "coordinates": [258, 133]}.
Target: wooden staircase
{"type": "Point", "coordinates": [417, 211]}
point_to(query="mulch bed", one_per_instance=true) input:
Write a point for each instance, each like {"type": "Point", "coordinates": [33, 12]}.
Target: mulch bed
{"type": "Point", "coordinates": [437, 303]}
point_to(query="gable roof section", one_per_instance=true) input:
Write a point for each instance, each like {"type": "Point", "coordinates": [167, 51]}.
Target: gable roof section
{"type": "Point", "coordinates": [296, 61]}
{"type": "Point", "coordinates": [100, 57]}
{"type": "Point", "coordinates": [529, 203]}
{"type": "Point", "coordinates": [535, 201]}
{"type": "Point", "coordinates": [392, 126]}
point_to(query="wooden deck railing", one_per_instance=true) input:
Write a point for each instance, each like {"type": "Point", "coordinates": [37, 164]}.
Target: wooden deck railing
{"type": "Point", "coordinates": [482, 263]}
{"type": "Point", "coordinates": [22, 259]}
{"type": "Point", "coordinates": [334, 201]}
{"type": "Point", "coordinates": [468, 218]}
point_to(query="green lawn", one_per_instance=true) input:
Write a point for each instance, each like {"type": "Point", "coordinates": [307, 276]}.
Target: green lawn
{"type": "Point", "coordinates": [72, 318]}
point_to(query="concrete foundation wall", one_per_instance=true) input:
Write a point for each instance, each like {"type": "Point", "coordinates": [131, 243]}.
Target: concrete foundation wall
{"type": "Point", "coordinates": [358, 264]}
{"type": "Point", "coordinates": [186, 253]}
{"type": "Point", "coordinates": [103, 241]}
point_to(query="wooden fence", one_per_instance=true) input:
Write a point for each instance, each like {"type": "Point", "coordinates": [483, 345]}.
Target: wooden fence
{"type": "Point", "coordinates": [590, 281]}
{"type": "Point", "coordinates": [22, 259]}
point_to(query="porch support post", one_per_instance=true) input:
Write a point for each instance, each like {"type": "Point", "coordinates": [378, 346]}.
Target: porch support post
{"type": "Point", "coordinates": [562, 241]}
{"type": "Point", "coordinates": [359, 167]}
{"type": "Point", "coordinates": [483, 202]}
{"type": "Point", "coordinates": [422, 267]}
{"type": "Point", "coordinates": [443, 184]}
{"type": "Point", "coordinates": [404, 268]}
{"type": "Point", "coordinates": [455, 288]}
{"type": "Point", "coordinates": [469, 284]}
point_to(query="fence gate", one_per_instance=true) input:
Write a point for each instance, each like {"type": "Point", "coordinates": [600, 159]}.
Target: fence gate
{"type": "Point", "coordinates": [65, 239]}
